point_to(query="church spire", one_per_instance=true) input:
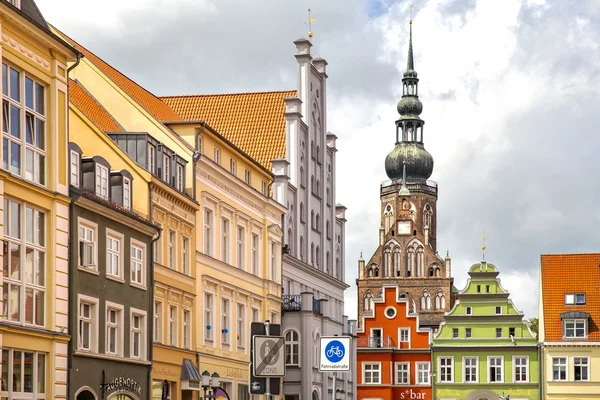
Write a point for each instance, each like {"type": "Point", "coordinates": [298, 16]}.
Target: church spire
{"type": "Point", "coordinates": [410, 62]}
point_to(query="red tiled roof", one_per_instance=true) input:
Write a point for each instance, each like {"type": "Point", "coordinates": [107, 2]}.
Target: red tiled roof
{"type": "Point", "coordinates": [570, 273]}
{"type": "Point", "coordinates": [84, 101]}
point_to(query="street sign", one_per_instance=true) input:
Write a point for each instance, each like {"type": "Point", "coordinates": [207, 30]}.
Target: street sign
{"type": "Point", "coordinates": [258, 385]}
{"type": "Point", "coordinates": [335, 353]}
{"type": "Point", "coordinates": [269, 356]}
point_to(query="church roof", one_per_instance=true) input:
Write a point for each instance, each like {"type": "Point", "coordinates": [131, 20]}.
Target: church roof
{"type": "Point", "coordinates": [255, 122]}
{"type": "Point", "coordinates": [88, 105]}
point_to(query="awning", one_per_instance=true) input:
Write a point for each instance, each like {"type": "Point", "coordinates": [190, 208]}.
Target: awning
{"type": "Point", "coordinates": [575, 315]}
{"type": "Point", "coordinates": [190, 377]}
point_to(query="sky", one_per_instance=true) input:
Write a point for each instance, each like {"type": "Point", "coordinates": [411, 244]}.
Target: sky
{"type": "Point", "coordinates": [511, 95]}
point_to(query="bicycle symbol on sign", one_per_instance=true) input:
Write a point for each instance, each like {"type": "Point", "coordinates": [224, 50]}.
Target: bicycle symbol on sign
{"type": "Point", "coordinates": [335, 351]}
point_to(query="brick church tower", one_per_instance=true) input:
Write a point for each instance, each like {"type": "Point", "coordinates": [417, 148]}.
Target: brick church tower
{"type": "Point", "coordinates": [407, 254]}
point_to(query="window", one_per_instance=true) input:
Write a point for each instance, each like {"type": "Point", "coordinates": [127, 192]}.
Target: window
{"type": "Point", "coordinates": [187, 323]}
{"type": "Point", "coordinates": [102, 181]}
{"type": "Point", "coordinates": [402, 371]}
{"type": "Point", "coordinates": [255, 314]}
{"type": "Point", "coordinates": [445, 369]}
{"type": "Point", "coordinates": [468, 311]}
{"type": "Point", "coordinates": [185, 250]}
{"type": "Point", "coordinates": [127, 193]}
{"type": "Point", "coordinates": [157, 389]}
{"type": "Point", "coordinates": [581, 368]}
{"type": "Point", "coordinates": [404, 335]}
{"type": "Point", "coordinates": [137, 265]}
{"type": "Point", "coordinates": [74, 166]}
{"type": "Point", "coordinates": [255, 254]}
{"type": "Point", "coordinates": [495, 369]}
{"type": "Point", "coordinates": [264, 188]}
{"type": "Point", "coordinates": [422, 373]}
{"type": "Point", "coordinates": [225, 321]}
{"type": "Point", "coordinates": [158, 321]}
{"type": "Point", "coordinates": [225, 240]}
{"type": "Point", "coordinates": [16, 3]}
{"type": "Point", "coordinates": [232, 166]}
{"type": "Point", "coordinates": [247, 177]}
{"type": "Point", "coordinates": [23, 141]}
{"type": "Point", "coordinates": [208, 223]}
{"type": "Point", "coordinates": [180, 178]}
{"type": "Point", "coordinates": [27, 370]}
{"type": "Point", "coordinates": [241, 326]}
{"type": "Point", "coordinates": [166, 173]}
{"type": "Point", "coordinates": [138, 328]}
{"type": "Point", "coordinates": [24, 264]}
{"type": "Point", "coordinates": [113, 256]}
{"type": "Point", "coordinates": [575, 328]}
{"type": "Point", "coordinates": [87, 333]}
{"type": "Point", "coordinates": [173, 325]}
{"type": "Point", "coordinates": [468, 332]}
{"type": "Point", "coordinates": [292, 348]}
{"type": "Point", "coordinates": [114, 329]}
{"type": "Point", "coordinates": [152, 158]}
{"type": "Point", "coordinates": [511, 332]}
{"type": "Point", "coordinates": [217, 156]}
{"type": "Point", "coordinates": [520, 364]}
{"type": "Point", "coordinates": [87, 244]}
{"type": "Point", "coordinates": [573, 299]}
{"type": "Point", "coordinates": [454, 333]}
{"type": "Point", "coordinates": [487, 288]}
{"type": "Point", "coordinates": [470, 369]}
{"type": "Point", "coordinates": [559, 368]}
{"type": "Point", "coordinates": [498, 310]}
{"type": "Point", "coordinates": [498, 332]}
{"type": "Point", "coordinates": [241, 247]}
{"type": "Point", "coordinates": [274, 262]}
{"type": "Point", "coordinates": [208, 316]}
{"type": "Point", "coordinates": [172, 259]}
{"type": "Point", "coordinates": [371, 373]}
{"type": "Point", "coordinates": [478, 288]}
{"type": "Point", "coordinates": [243, 392]}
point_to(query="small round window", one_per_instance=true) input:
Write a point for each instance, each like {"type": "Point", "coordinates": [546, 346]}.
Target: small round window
{"type": "Point", "coordinates": [390, 312]}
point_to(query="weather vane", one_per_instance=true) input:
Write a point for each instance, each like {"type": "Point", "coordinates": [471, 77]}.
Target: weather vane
{"type": "Point", "coordinates": [483, 244]}
{"type": "Point", "coordinates": [410, 13]}
{"type": "Point", "coordinates": [310, 21]}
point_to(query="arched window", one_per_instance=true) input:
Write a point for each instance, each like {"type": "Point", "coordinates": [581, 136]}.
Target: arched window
{"type": "Point", "coordinates": [420, 260]}
{"type": "Point", "coordinates": [328, 196]}
{"type": "Point", "coordinates": [440, 301]}
{"type": "Point", "coordinates": [328, 230]}
{"type": "Point", "coordinates": [312, 148]}
{"type": "Point", "coordinates": [427, 213]}
{"type": "Point", "coordinates": [437, 271]}
{"type": "Point", "coordinates": [312, 254]}
{"type": "Point", "coordinates": [373, 271]}
{"type": "Point", "coordinates": [301, 248]}
{"type": "Point", "coordinates": [328, 258]}
{"type": "Point", "coordinates": [312, 183]}
{"type": "Point", "coordinates": [301, 211]}
{"type": "Point", "coordinates": [396, 262]}
{"type": "Point", "coordinates": [431, 271]}
{"type": "Point", "coordinates": [404, 205]}
{"type": "Point", "coordinates": [290, 239]}
{"type": "Point", "coordinates": [302, 178]}
{"type": "Point", "coordinates": [410, 261]}
{"type": "Point", "coordinates": [368, 301]}
{"type": "Point", "coordinates": [312, 218]}
{"type": "Point", "coordinates": [388, 218]}
{"type": "Point", "coordinates": [292, 348]}
{"type": "Point", "coordinates": [425, 301]}
{"type": "Point", "coordinates": [318, 255]}
{"type": "Point", "coordinates": [318, 223]}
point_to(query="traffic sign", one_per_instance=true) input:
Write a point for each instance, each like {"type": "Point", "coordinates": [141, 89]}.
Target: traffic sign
{"type": "Point", "coordinates": [269, 356]}
{"type": "Point", "coordinates": [261, 385]}
{"type": "Point", "coordinates": [335, 353]}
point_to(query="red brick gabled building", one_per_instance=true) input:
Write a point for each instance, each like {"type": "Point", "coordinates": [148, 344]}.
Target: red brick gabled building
{"type": "Point", "coordinates": [393, 353]}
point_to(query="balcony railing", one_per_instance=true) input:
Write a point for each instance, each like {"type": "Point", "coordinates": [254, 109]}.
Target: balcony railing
{"type": "Point", "coordinates": [293, 302]}
{"type": "Point", "coordinates": [375, 342]}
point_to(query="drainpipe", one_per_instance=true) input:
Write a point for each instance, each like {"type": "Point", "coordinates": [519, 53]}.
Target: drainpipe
{"type": "Point", "coordinates": [71, 297]}
{"type": "Point", "coordinates": [198, 362]}
{"type": "Point", "coordinates": [151, 289]}
{"type": "Point", "coordinates": [540, 371]}
{"type": "Point", "coordinates": [196, 157]}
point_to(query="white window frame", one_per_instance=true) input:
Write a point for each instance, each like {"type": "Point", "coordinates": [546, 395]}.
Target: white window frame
{"type": "Point", "coordinates": [248, 177]}
{"type": "Point", "coordinates": [93, 321]}
{"type": "Point", "coordinates": [274, 261]}
{"type": "Point", "coordinates": [118, 325]}
{"type": "Point", "coordinates": [137, 263]}
{"type": "Point", "coordinates": [264, 188]}
{"type": "Point", "coordinates": [157, 321]}
{"type": "Point", "coordinates": [217, 156]}
{"type": "Point", "coordinates": [166, 166]}
{"type": "Point", "coordinates": [74, 168]}
{"type": "Point", "coordinates": [407, 371]}
{"type": "Point", "coordinates": [372, 370]}
{"type": "Point", "coordinates": [401, 330]}
{"type": "Point", "coordinates": [241, 325]}
{"type": "Point", "coordinates": [225, 321]}
{"type": "Point", "coordinates": [185, 255]}
{"type": "Point", "coordinates": [468, 310]}
{"type": "Point", "coordinates": [102, 181]}
{"type": "Point", "coordinates": [187, 328]}
{"type": "Point", "coordinates": [93, 227]}
{"type": "Point", "coordinates": [241, 247]}
{"type": "Point", "coordinates": [444, 368]}
{"type": "Point", "coordinates": [152, 158]}
{"type": "Point", "coordinates": [255, 315]}
{"type": "Point", "coordinates": [114, 255]}
{"type": "Point", "coordinates": [586, 366]}
{"type": "Point", "coordinates": [425, 374]}
{"type": "Point", "coordinates": [560, 367]}
{"type": "Point", "coordinates": [172, 331]}
{"type": "Point", "coordinates": [471, 367]}
{"type": "Point", "coordinates": [575, 321]}
{"type": "Point", "coordinates": [208, 233]}
{"type": "Point", "coordinates": [232, 166]}
{"type": "Point", "coordinates": [38, 358]}
{"type": "Point", "coordinates": [498, 310]}
{"type": "Point", "coordinates": [225, 240]}
{"type": "Point", "coordinates": [501, 366]}
{"type": "Point", "coordinates": [141, 331]}
{"type": "Point", "coordinates": [292, 347]}
{"type": "Point", "coordinates": [179, 180]}
{"type": "Point", "coordinates": [126, 193]}
{"type": "Point", "coordinates": [571, 299]}
{"type": "Point", "coordinates": [172, 253]}
{"type": "Point", "coordinates": [468, 333]}
{"type": "Point", "coordinates": [208, 316]}
{"type": "Point", "coordinates": [255, 254]}
{"type": "Point", "coordinates": [516, 378]}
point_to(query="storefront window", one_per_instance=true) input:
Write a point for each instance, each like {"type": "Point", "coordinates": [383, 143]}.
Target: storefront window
{"type": "Point", "coordinates": [157, 387]}
{"type": "Point", "coordinates": [28, 372]}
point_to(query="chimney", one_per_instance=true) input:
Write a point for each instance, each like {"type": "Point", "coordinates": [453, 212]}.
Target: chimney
{"type": "Point", "coordinates": [280, 183]}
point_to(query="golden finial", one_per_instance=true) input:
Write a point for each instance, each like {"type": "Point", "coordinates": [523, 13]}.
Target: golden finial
{"type": "Point", "coordinates": [483, 244]}
{"type": "Point", "coordinates": [310, 21]}
{"type": "Point", "coordinates": [410, 20]}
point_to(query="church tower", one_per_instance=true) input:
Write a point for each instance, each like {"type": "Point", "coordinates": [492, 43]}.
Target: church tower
{"type": "Point", "coordinates": [407, 252]}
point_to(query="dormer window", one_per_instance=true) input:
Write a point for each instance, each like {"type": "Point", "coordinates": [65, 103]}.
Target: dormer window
{"type": "Point", "coordinates": [127, 193]}
{"type": "Point", "coordinates": [180, 178]}
{"type": "Point", "coordinates": [16, 3]}
{"type": "Point", "coordinates": [152, 158]}
{"type": "Point", "coordinates": [101, 181]}
{"type": "Point", "coordinates": [74, 166]}
{"type": "Point", "coordinates": [166, 170]}
{"type": "Point", "coordinates": [575, 328]}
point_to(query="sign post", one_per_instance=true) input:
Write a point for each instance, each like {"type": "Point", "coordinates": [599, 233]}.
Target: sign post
{"type": "Point", "coordinates": [267, 358]}
{"type": "Point", "coordinates": [334, 355]}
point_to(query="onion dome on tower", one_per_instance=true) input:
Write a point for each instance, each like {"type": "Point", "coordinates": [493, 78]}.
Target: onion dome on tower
{"type": "Point", "coordinates": [409, 151]}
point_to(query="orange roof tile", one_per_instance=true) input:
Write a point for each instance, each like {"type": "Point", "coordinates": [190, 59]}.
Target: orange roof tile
{"type": "Point", "coordinates": [570, 273]}
{"type": "Point", "coordinates": [155, 106]}
{"type": "Point", "coordinates": [254, 122]}
{"type": "Point", "coordinates": [84, 101]}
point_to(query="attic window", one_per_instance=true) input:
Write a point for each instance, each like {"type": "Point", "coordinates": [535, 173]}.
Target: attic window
{"type": "Point", "coordinates": [575, 298]}
{"type": "Point", "coordinates": [16, 3]}
{"type": "Point", "coordinates": [101, 181]}
{"type": "Point", "coordinates": [74, 169]}
{"type": "Point", "coordinates": [127, 193]}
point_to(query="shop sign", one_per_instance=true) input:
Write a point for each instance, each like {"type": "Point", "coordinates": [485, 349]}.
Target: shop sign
{"type": "Point", "coordinates": [121, 384]}
{"type": "Point", "coordinates": [412, 394]}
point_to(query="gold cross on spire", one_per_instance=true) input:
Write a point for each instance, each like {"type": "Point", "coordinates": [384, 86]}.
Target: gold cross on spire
{"type": "Point", "coordinates": [483, 244]}
{"type": "Point", "coordinates": [310, 21]}
{"type": "Point", "coordinates": [410, 20]}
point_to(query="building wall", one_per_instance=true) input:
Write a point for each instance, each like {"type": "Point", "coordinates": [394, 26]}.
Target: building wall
{"type": "Point", "coordinates": [570, 388]}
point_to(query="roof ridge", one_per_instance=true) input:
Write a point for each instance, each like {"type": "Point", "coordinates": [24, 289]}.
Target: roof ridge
{"type": "Point", "coordinates": [76, 81]}
{"type": "Point", "coordinates": [226, 94]}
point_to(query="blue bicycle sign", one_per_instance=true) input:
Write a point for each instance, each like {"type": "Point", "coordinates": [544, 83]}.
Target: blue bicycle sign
{"type": "Point", "coordinates": [334, 351]}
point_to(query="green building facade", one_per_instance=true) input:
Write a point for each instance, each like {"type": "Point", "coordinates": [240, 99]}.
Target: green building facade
{"type": "Point", "coordinates": [484, 349]}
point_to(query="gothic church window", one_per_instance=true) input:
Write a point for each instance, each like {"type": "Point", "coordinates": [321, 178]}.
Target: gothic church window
{"type": "Point", "coordinates": [410, 261]}
{"type": "Point", "coordinates": [426, 301]}
{"type": "Point", "coordinates": [427, 213]}
{"type": "Point", "coordinates": [368, 301]}
{"type": "Point", "coordinates": [420, 257]}
{"type": "Point", "coordinates": [440, 301]}
{"type": "Point", "coordinates": [386, 263]}
{"type": "Point", "coordinates": [396, 262]}
{"type": "Point", "coordinates": [388, 217]}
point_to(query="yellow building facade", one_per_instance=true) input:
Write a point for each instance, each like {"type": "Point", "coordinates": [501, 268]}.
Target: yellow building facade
{"type": "Point", "coordinates": [35, 205]}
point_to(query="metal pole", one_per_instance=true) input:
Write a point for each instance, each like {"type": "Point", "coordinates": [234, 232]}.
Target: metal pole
{"type": "Point", "coordinates": [268, 380]}
{"type": "Point", "coordinates": [333, 389]}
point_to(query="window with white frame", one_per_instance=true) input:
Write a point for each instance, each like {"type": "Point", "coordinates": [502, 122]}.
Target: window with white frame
{"type": "Point", "coordinates": [422, 373]}
{"type": "Point", "coordinates": [24, 264]}
{"type": "Point", "coordinates": [187, 324]}
{"type": "Point", "coordinates": [470, 369]}
{"type": "Point", "coordinates": [102, 181]}
{"type": "Point", "coordinates": [264, 188]}
{"type": "Point", "coordinates": [23, 125]}
{"type": "Point", "coordinates": [16, 3]}
{"type": "Point", "coordinates": [468, 310]}
{"type": "Point", "coordinates": [498, 333]}
{"type": "Point", "coordinates": [208, 315]}
{"type": "Point", "coordinates": [454, 333]}
{"type": "Point", "coordinates": [255, 250]}
{"type": "Point", "coordinates": [173, 325]}
{"type": "Point", "coordinates": [152, 158]}
{"type": "Point", "coordinates": [114, 330]}
{"type": "Point", "coordinates": [180, 185]}
{"type": "Point", "coordinates": [241, 326]}
{"type": "Point", "coordinates": [127, 193]}
{"type": "Point", "coordinates": [495, 365]}
{"type": "Point", "coordinates": [581, 367]}
{"type": "Point", "coordinates": [402, 373]}
{"type": "Point", "coordinates": [559, 368]}
{"type": "Point", "coordinates": [225, 310]}
{"type": "Point", "coordinates": [87, 324]}
{"type": "Point", "coordinates": [225, 240]}
{"type": "Point", "coordinates": [255, 315]}
{"type": "Point", "coordinates": [404, 334]}
{"type": "Point", "coordinates": [74, 166]}
{"type": "Point", "coordinates": [172, 259]}
{"type": "Point", "coordinates": [27, 372]}
{"type": "Point", "coordinates": [138, 329]}
{"type": "Point", "coordinates": [371, 373]}
{"type": "Point", "coordinates": [185, 251]}
{"type": "Point", "coordinates": [113, 255]}
{"type": "Point", "coordinates": [137, 265]}
{"type": "Point", "coordinates": [241, 247]}
{"type": "Point", "coordinates": [232, 166]}
{"type": "Point", "coordinates": [208, 232]}
{"type": "Point", "coordinates": [274, 251]}
{"type": "Point", "coordinates": [445, 369]}
{"type": "Point", "coordinates": [87, 246]}
{"type": "Point", "coordinates": [575, 328]}
{"type": "Point", "coordinates": [247, 177]}
{"type": "Point", "coordinates": [158, 327]}
{"type": "Point", "coordinates": [468, 333]}
{"type": "Point", "coordinates": [165, 170]}
{"type": "Point", "coordinates": [498, 310]}
{"type": "Point", "coordinates": [217, 156]}
{"type": "Point", "coordinates": [292, 347]}
{"type": "Point", "coordinates": [521, 368]}
{"type": "Point", "coordinates": [574, 299]}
